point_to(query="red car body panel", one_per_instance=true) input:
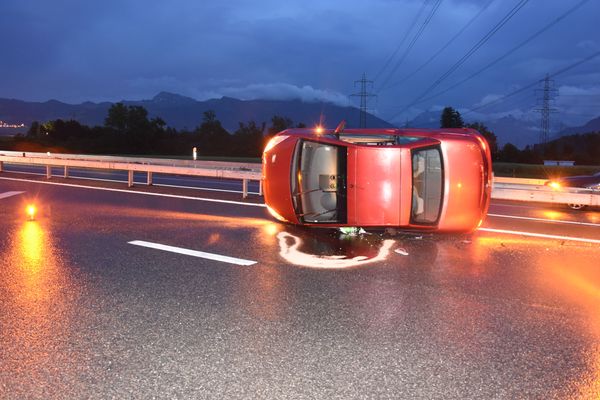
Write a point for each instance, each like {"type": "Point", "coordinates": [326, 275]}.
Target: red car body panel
{"type": "Point", "coordinates": [376, 185]}
{"type": "Point", "coordinates": [466, 199]}
{"type": "Point", "coordinates": [371, 172]}
{"type": "Point", "coordinates": [276, 171]}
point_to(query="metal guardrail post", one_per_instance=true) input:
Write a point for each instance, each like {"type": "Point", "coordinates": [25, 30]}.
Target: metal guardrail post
{"type": "Point", "coordinates": [130, 178]}
{"type": "Point", "coordinates": [260, 192]}
{"type": "Point", "coordinates": [66, 171]}
{"type": "Point", "coordinates": [245, 188]}
{"type": "Point", "coordinates": [149, 178]}
{"type": "Point", "coordinates": [48, 172]}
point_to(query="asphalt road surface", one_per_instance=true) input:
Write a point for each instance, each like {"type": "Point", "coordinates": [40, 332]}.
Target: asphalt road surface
{"type": "Point", "coordinates": [166, 293]}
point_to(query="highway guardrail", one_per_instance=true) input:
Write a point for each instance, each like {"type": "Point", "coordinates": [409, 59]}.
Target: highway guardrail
{"type": "Point", "coordinates": [520, 189]}
{"type": "Point", "coordinates": [523, 189]}
{"type": "Point", "coordinates": [214, 169]}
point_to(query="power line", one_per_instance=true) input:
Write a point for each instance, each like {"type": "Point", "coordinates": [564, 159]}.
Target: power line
{"type": "Point", "coordinates": [508, 53]}
{"type": "Point", "coordinates": [520, 4]}
{"type": "Point", "coordinates": [414, 40]}
{"type": "Point", "coordinates": [527, 87]}
{"type": "Point", "coordinates": [406, 34]}
{"type": "Point", "coordinates": [444, 47]}
{"type": "Point", "coordinates": [364, 96]}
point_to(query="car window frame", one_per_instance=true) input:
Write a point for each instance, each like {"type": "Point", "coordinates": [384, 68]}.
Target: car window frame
{"type": "Point", "coordinates": [438, 148]}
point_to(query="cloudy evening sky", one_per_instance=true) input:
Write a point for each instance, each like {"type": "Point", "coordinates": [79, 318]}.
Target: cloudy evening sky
{"type": "Point", "coordinates": [111, 50]}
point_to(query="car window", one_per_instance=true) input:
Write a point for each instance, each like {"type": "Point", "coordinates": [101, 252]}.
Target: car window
{"type": "Point", "coordinates": [427, 178]}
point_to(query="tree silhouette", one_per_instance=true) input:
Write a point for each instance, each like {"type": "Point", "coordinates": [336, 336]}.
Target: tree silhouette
{"type": "Point", "coordinates": [451, 118]}
{"type": "Point", "coordinates": [248, 139]}
{"type": "Point", "coordinates": [117, 117]}
{"type": "Point", "coordinates": [212, 137]}
{"type": "Point", "coordinates": [278, 124]}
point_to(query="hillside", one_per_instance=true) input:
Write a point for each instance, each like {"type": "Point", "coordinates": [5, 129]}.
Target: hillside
{"type": "Point", "coordinates": [186, 113]}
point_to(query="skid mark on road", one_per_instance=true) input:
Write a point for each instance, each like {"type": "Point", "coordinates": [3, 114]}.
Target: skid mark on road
{"type": "Point", "coordinates": [193, 253]}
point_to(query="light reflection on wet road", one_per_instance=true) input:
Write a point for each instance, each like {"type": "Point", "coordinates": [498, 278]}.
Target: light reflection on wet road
{"type": "Point", "coordinates": [38, 305]}
{"type": "Point", "coordinates": [85, 315]}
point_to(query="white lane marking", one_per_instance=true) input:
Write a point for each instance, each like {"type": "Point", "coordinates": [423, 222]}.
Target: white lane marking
{"type": "Point", "coordinates": [136, 192]}
{"type": "Point", "coordinates": [193, 253]}
{"type": "Point", "coordinates": [544, 220]}
{"type": "Point", "coordinates": [74, 176]}
{"type": "Point", "coordinates": [540, 235]}
{"type": "Point", "coordinates": [9, 194]}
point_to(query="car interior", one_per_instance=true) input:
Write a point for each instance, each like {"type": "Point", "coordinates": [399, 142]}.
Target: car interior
{"type": "Point", "coordinates": [318, 182]}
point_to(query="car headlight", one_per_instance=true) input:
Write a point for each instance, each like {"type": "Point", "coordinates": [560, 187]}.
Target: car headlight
{"type": "Point", "coordinates": [554, 185]}
{"type": "Point", "coordinates": [275, 140]}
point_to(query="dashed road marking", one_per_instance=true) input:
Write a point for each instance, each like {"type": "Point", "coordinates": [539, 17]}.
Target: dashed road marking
{"type": "Point", "coordinates": [9, 194]}
{"type": "Point", "coordinates": [193, 253]}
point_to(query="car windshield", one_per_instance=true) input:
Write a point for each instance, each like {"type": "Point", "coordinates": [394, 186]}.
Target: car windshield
{"type": "Point", "coordinates": [427, 185]}
{"type": "Point", "coordinates": [318, 182]}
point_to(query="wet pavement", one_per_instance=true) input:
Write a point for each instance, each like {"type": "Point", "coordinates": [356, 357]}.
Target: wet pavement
{"type": "Point", "coordinates": [85, 314]}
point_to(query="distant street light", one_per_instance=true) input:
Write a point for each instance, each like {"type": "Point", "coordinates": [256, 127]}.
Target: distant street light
{"type": "Point", "coordinates": [195, 153]}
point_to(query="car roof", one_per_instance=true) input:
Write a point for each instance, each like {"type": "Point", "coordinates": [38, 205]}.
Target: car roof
{"type": "Point", "coordinates": [381, 131]}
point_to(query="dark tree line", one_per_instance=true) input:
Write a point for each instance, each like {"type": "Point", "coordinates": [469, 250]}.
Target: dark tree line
{"type": "Point", "coordinates": [129, 130]}
{"type": "Point", "coordinates": [451, 118]}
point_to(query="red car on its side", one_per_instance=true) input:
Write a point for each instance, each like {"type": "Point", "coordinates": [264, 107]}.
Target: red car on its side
{"type": "Point", "coordinates": [376, 178]}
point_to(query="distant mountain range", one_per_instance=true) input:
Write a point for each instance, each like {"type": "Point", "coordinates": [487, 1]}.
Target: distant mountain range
{"type": "Point", "coordinates": [508, 129]}
{"type": "Point", "coordinates": [591, 126]}
{"type": "Point", "coordinates": [182, 112]}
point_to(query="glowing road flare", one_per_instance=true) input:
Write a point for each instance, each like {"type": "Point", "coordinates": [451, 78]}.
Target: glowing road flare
{"type": "Point", "coordinates": [294, 256]}
{"type": "Point", "coordinates": [31, 210]}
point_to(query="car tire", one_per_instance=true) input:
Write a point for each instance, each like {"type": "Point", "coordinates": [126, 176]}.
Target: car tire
{"type": "Point", "coordinates": [576, 206]}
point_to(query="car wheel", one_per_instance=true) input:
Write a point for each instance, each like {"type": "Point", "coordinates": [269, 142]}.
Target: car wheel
{"type": "Point", "coordinates": [576, 206]}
